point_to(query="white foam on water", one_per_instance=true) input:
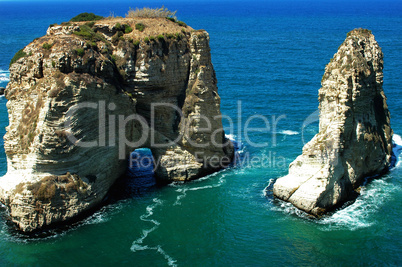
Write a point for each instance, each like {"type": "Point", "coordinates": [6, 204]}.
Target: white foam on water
{"type": "Point", "coordinates": [372, 197]}
{"type": "Point", "coordinates": [238, 145]}
{"type": "Point", "coordinates": [397, 149]}
{"type": "Point", "coordinates": [360, 214]}
{"type": "Point", "coordinates": [149, 211]}
{"type": "Point", "coordinates": [288, 208]}
{"type": "Point", "coordinates": [4, 75]}
{"type": "Point", "coordinates": [104, 214]}
{"type": "Point", "coordinates": [397, 139]}
{"type": "Point", "coordinates": [138, 244]}
{"type": "Point", "coordinates": [97, 218]}
{"type": "Point", "coordinates": [267, 191]}
{"type": "Point", "coordinates": [232, 137]}
{"type": "Point", "coordinates": [179, 184]}
{"type": "Point", "coordinates": [136, 247]}
{"type": "Point", "coordinates": [159, 249]}
{"type": "Point", "coordinates": [353, 217]}
{"type": "Point", "coordinates": [183, 190]}
{"type": "Point", "coordinates": [170, 260]}
{"type": "Point", "coordinates": [289, 132]}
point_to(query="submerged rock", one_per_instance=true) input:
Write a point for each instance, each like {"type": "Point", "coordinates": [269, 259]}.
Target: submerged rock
{"type": "Point", "coordinates": [355, 137]}
{"type": "Point", "coordinates": [84, 96]}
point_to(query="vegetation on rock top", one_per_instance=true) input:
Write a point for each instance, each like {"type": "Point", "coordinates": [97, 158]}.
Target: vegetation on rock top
{"type": "Point", "coordinates": [91, 34]}
{"type": "Point", "coordinates": [359, 31]}
{"type": "Point", "coordinates": [86, 17]}
{"type": "Point", "coordinates": [151, 13]}
{"type": "Point", "coordinates": [17, 56]}
{"type": "Point", "coordinates": [88, 34]}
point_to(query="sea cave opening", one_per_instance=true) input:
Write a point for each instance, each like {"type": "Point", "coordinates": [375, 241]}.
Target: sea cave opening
{"type": "Point", "coordinates": [139, 177]}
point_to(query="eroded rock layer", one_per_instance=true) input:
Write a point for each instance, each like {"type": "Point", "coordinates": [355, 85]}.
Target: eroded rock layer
{"type": "Point", "coordinates": [355, 137]}
{"type": "Point", "coordinates": [85, 95]}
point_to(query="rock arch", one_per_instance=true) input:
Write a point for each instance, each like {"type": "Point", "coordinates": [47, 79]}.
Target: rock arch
{"type": "Point", "coordinates": [77, 110]}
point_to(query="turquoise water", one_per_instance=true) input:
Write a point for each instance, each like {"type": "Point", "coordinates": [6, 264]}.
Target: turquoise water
{"type": "Point", "coordinates": [269, 58]}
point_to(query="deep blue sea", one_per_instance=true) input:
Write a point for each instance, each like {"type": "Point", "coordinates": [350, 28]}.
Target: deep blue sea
{"type": "Point", "coordinates": [269, 57]}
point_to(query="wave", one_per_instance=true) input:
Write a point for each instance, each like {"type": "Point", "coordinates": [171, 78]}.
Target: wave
{"type": "Point", "coordinates": [397, 150]}
{"type": "Point", "coordinates": [97, 218]}
{"type": "Point", "coordinates": [280, 205]}
{"type": "Point", "coordinates": [268, 188]}
{"type": "Point", "coordinates": [4, 75]}
{"type": "Point", "coordinates": [359, 214]}
{"type": "Point", "coordinates": [238, 146]}
{"type": "Point", "coordinates": [239, 150]}
{"type": "Point", "coordinates": [231, 137]}
{"type": "Point", "coordinates": [103, 215]}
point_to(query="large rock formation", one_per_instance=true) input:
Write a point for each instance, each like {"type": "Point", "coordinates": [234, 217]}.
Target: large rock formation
{"type": "Point", "coordinates": [354, 139]}
{"type": "Point", "coordinates": [85, 95]}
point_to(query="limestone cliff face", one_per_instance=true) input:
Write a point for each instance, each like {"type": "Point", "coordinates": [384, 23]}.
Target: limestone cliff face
{"type": "Point", "coordinates": [85, 96]}
{"type": "Point", "coordinates": [355, 137]}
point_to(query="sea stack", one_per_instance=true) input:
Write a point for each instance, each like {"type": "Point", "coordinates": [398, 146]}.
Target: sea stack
{"type": "Point", "coordinates": [355, 138]}
{"type": "Point", "coordinates": [83, 97]}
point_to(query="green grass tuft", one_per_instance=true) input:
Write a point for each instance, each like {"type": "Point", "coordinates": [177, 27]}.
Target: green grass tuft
{"type": "Point", "coordinates": [127, 29]}
{"type": "Point", "coordinates": [179, 36]}
{"type": "Point", "coordinates": [47, 46]}
{"type": "Point", "coordinates": [181, 23]}
{"type": "Point", "coordinates": [80, 52]}
{"type": "Point", "coordinates": [161, 37]}
{"type": "Point", "coordinates": [18, 55]}
{"type": "Point", "coordinates": [140, 27]}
